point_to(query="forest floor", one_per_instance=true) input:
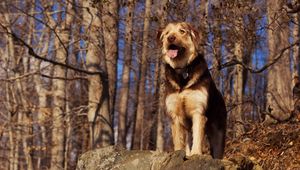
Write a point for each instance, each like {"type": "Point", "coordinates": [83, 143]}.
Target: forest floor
{"type": "Point", "coordinates": [271, 146]}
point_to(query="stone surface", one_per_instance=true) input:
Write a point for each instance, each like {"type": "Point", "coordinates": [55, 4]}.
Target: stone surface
{"type": "Point", "coordinates": [119, 159]}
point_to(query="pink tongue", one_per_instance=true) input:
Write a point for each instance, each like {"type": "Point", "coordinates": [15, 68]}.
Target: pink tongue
{"type": "Point", "coordinates": [172, 53]}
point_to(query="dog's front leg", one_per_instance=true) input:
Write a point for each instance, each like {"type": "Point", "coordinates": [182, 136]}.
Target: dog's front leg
{"type": "Point", "coordinates": [178, 133]}
{"type": "Point", "coordinates": [198, 130]}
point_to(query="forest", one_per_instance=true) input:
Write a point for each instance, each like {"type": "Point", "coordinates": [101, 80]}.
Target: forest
{"type": "Point", "coordinates": [82, 74]}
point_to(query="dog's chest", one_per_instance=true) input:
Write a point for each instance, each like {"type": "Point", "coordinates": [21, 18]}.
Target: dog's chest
{"type": "Point", "coordinates": [187, 102]}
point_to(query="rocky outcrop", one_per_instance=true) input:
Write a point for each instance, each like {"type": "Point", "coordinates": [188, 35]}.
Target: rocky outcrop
{"type": "Point", "coordinates": [120, 159]}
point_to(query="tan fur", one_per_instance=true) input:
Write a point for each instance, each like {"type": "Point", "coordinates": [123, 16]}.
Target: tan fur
{"type": "Point", "coordinates": [187, 97]}
{"type": "Point", "coordinates": [185, 39]}
{"type": "Point", "coordinates": [194, 102]}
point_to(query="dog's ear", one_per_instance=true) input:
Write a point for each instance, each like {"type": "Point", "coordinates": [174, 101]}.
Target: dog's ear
{"type": "Point", "coordinates": [159, 36]}
{"type": "Point", "coordinates": [195, 35]}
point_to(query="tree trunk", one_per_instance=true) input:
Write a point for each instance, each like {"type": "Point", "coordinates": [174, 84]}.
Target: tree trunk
{"type": "Point", "coordinates": [57, 151]}
{"type": "Point", "coordinates": [69, 22]}
{"type": "Point", "coordinates": [135, 90]}
{"type": "Point", "coordinates": [203, 25]}
{"type": "Point", "coordinates": [126, 75]}
{"type": "Point", "coordinates": [59, 98]}
{"type": "Point", "coordinates": [279, 94]}
{"type": "Point", "coordinates": [24, 115]}
{"type": "Point", "coordinates": [139, 126]}
{"type": "Point", "coordinates": [238, 82]}
{"type": "Point", "coordinates": [11, 105]}
{"type": "Point", "coordinates": [43, 112]}
{"type": "Point", "coordinates": [161, 91]}
{"type": "Point", "coordinates": [217, 42]}
{"type": "Point", "coordinates": [110, 18]}
{"type": "Point", "coordinates": [296, 54]}
{"type": "Point", "coordinates": [19, 107]}
{"type": "Point", "coordinates": [98, 114]}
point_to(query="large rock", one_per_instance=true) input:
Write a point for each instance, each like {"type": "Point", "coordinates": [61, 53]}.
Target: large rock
{"type": "Point", "coordinates": [120, 159]}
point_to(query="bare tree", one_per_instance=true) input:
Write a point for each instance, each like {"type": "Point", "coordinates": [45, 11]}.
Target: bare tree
{"type": "Point", "coordinates": [204, 5]}
{"type": "Point", "coordinates": [126, 74]}
{"type": "Point", "coordinates": [109, 14]}
{"type": "Point", "coordinates": [296, 54]}
{"type": "Point", "coordinates": [163, 11]}
{"type": "Point", "coordinates": [217, 43]}
{"type": "Point", "coordinates": [238, 80]}
{"type": "Point", "coordinates": [98, 114]}
{"type": "Point", "coordinates": [11, 105]}
{"type": "Point", "coordinates": [279, 94]}
{"type": "Point", "coordinates": [139, 126]}
{"type": "Point", "coordinates": [59, 94]}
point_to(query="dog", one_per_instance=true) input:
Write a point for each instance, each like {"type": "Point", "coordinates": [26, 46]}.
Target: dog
{"type": "Point", "coordinates": [192, 100]}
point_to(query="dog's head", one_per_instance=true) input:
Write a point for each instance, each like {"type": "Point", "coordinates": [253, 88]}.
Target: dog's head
{"type": "Point", "coordinates": [179, 42]}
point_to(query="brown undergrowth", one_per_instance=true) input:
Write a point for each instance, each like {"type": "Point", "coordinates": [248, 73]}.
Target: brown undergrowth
{"type": "Point", "coordinates": [274, 146]}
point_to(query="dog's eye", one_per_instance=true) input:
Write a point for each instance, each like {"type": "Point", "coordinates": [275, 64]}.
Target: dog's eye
{"type": "Point", "coordinates": [182, 31]}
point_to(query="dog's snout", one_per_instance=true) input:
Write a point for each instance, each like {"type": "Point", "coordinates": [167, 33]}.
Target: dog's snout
{"type": "Point", "coordinates": [171, 38]}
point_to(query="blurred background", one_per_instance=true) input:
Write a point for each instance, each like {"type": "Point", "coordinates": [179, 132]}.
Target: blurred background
{"type": "Point", "coordinates": [81, 74]}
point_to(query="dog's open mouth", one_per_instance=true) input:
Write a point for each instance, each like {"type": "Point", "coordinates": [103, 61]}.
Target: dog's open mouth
{"type": "Point", "coordinates": [174, 51]}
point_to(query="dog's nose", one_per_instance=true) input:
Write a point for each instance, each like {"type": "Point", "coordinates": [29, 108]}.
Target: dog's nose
{"type": "Point", "coordinates": [171, 38]}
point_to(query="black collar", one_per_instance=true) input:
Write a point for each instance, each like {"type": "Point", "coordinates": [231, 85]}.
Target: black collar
{"type": "Point", "coordinates": [185, 71]}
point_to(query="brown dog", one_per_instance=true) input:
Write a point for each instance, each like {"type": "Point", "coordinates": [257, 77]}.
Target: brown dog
{"type": "Point", "coordinates": [192, 99]}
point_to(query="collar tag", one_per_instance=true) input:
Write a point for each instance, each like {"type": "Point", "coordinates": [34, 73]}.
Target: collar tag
{"type": "Point", "coordinates": [185, 75]}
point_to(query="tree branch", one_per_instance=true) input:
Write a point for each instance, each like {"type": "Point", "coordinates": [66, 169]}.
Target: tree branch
{"type": "Point", "coordinates": [292, 8]}
{"type": "Point", "coordinates": [278, 56]}
{"type": "Point", "coordinates": [47, 25]}
{"type": "Point", "coordinates": [32, 53]}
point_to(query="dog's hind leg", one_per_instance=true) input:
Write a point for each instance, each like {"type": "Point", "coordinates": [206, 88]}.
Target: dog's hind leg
{"type": "Point", "coordinates": [216, 137]}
